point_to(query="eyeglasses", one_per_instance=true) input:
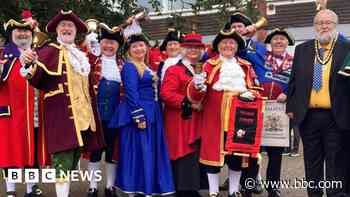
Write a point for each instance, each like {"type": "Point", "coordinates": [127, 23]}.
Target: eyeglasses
{"type": "Point", "coordinates": [327, 23]}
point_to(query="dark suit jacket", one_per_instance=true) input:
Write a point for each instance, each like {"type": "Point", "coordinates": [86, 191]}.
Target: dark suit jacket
{"type": "Point", "coordinates": [300, 84]}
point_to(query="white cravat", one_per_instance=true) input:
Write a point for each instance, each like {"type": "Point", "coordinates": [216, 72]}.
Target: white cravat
{"type": "Point", "coordinates": [231, 77]}
{"type": "Point", "coordinates": [77, 58]}
{"type": "Point", "coordinates": [110, 69]}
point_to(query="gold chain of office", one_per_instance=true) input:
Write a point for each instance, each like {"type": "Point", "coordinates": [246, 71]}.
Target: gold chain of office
{"type": "Point", "coordinates": [321, 60]}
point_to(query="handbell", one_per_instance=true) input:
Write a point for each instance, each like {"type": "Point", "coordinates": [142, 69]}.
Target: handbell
{"type": "Point", "coordinates": [92, 25]}
{"type": "Point", "coordinates": [261, 23]}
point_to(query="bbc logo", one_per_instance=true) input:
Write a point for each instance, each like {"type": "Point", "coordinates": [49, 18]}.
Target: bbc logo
{"type": "Point", "coordinates": [31, 176]}
{"type": "Point", "coordinates": [50, 175]}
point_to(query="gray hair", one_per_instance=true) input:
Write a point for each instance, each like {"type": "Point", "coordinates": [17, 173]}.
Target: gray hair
{"type": "Point", "coordinates": [330, 12]}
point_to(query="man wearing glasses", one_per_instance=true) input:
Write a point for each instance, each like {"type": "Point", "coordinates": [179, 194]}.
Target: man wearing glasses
{"type": "Point", "coordinates": [317, 102]}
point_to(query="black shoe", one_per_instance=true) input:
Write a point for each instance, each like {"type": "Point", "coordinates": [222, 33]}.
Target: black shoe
{"type": "Point", "coordinates": [36, 192]}
{"type": "Point", "coordinates": [11, 194]}
{"type": "Point", "coordinates": [93, 192]}
{"type": "Point", "coordinates": [235, 194]}
{"type": "Point", "coordinates": [274, 193]}
{"type": "Point", "coordinates": [110, 192]}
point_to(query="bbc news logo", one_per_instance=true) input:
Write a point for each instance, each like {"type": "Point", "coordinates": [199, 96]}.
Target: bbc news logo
{"type": "Point", "coordinates": [51, 175]}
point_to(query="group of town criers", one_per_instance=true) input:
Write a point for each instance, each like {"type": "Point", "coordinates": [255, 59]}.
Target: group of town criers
{"type": "Point", "coordinates": [163, 127]}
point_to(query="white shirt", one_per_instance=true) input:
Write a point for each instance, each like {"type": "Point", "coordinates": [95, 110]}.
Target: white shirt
{"type": "Point", "coordinates": [110, 69]}
{"type": "Point", "coordinates": [167, 63]}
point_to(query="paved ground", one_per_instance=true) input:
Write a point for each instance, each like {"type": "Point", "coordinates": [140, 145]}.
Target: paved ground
{"type": "Point", "coordinates": [292, 168]}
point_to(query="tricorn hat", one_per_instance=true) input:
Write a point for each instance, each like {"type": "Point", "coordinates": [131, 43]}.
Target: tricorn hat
{"type": "Point", "coordinates": [110, 33]}
{"type": "Point", "coordinates": [13, 24]}
{"type": "Point", "coordinates": [239, 17]}
{"type": "Point", "coordinates": [70, 16]}
{"type": "Point", "coordinates": [173, 35]}
{"type": "Point", "coordinates": [135, 38]}
{"type": "Point", "coordinates": [279, 31]}
{"type": "Point", "coordinates": [223, 34]}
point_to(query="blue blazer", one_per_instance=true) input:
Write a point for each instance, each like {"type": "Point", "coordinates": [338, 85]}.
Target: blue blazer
{"type": "Point", "coordinates": [138, 103]}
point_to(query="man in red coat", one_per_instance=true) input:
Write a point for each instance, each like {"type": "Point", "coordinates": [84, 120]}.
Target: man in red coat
{"type": "Point", "coordinates": [225, 77]}
{"type": "Point", "coordinates": [19, 145]}
{"type": "Point", "coordinates": [71, 120]}
{"type": "Point", "coordinates": [181, 118]}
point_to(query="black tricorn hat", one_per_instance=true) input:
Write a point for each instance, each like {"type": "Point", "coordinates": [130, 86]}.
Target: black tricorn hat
{"type": "Point", "coordinates": [223, 34]}
{"type": "Point", "coordinates": [173, 35]}
{"type": "Point", "coordinates": [110, 33]}
{"type": "Point", "coordinates": [135, 38]}
{"type": "Point", "coordinates": [279, 31]}
{"type": "Point", "coordinates": [238, 17]}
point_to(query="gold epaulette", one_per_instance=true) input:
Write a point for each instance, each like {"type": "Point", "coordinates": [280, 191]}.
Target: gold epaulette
{"type": "Point", "coordinates": [214, 61]}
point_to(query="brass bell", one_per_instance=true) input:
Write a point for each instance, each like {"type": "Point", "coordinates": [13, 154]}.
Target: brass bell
{"type": "Point", "coordinates": [92, 25]}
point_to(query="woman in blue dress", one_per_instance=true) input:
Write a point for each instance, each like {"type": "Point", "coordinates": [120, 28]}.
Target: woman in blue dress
{"type": "Point", "coordinates": [144, 166]}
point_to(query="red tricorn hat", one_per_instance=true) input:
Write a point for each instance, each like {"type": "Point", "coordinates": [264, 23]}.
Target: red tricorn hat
{"type": "Point", "coordinates": [69, 16]}
{"type": "Point", "coordinates": [192, 40]}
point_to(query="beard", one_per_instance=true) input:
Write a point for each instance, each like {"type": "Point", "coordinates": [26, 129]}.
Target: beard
{"type": "Point", "coordinates": [326, 37]}
{"type": "Point", "coordinates": [23, 42]}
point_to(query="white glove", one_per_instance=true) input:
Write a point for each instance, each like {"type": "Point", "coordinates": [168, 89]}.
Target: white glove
{"type": "Point", "coordinates": [199, 81]}
{"type": "Point", "coordinates": [247, 95]}
{"type": "Point", "coordinates": [92, 43]}
{"type": "Point", "coordinates": [281, 98]}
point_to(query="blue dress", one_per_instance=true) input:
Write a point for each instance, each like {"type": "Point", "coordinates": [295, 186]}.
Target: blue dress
{"type": "Point", "coordinates": [144, 166]}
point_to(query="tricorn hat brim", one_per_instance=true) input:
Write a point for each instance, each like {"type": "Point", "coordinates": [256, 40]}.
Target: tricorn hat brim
{"type": "Point", "coordinates": [135, 38]}
{"type": "Point", "coordinates": [229, 34]}
{"type": "Point", "coordinates": [70, 16]}
{"type": "Point", "coordinates": [13, 24]}
{"type": "Point", "coordinates": [279, 31]}
{"type": "Point", "coordinates": [173, 35]}
{"type": "Point", "coordinates": [240, 18]}
{"type": "Point", "coordinates": [111, 34]}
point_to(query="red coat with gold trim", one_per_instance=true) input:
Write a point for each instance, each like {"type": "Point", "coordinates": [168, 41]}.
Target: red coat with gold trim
{"type": "Point", "coordinates": [181, 133]}
{"type": "Point", "coordinates": [215, 105]}
{"type": "Point", "coordinates": [17, 143]}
